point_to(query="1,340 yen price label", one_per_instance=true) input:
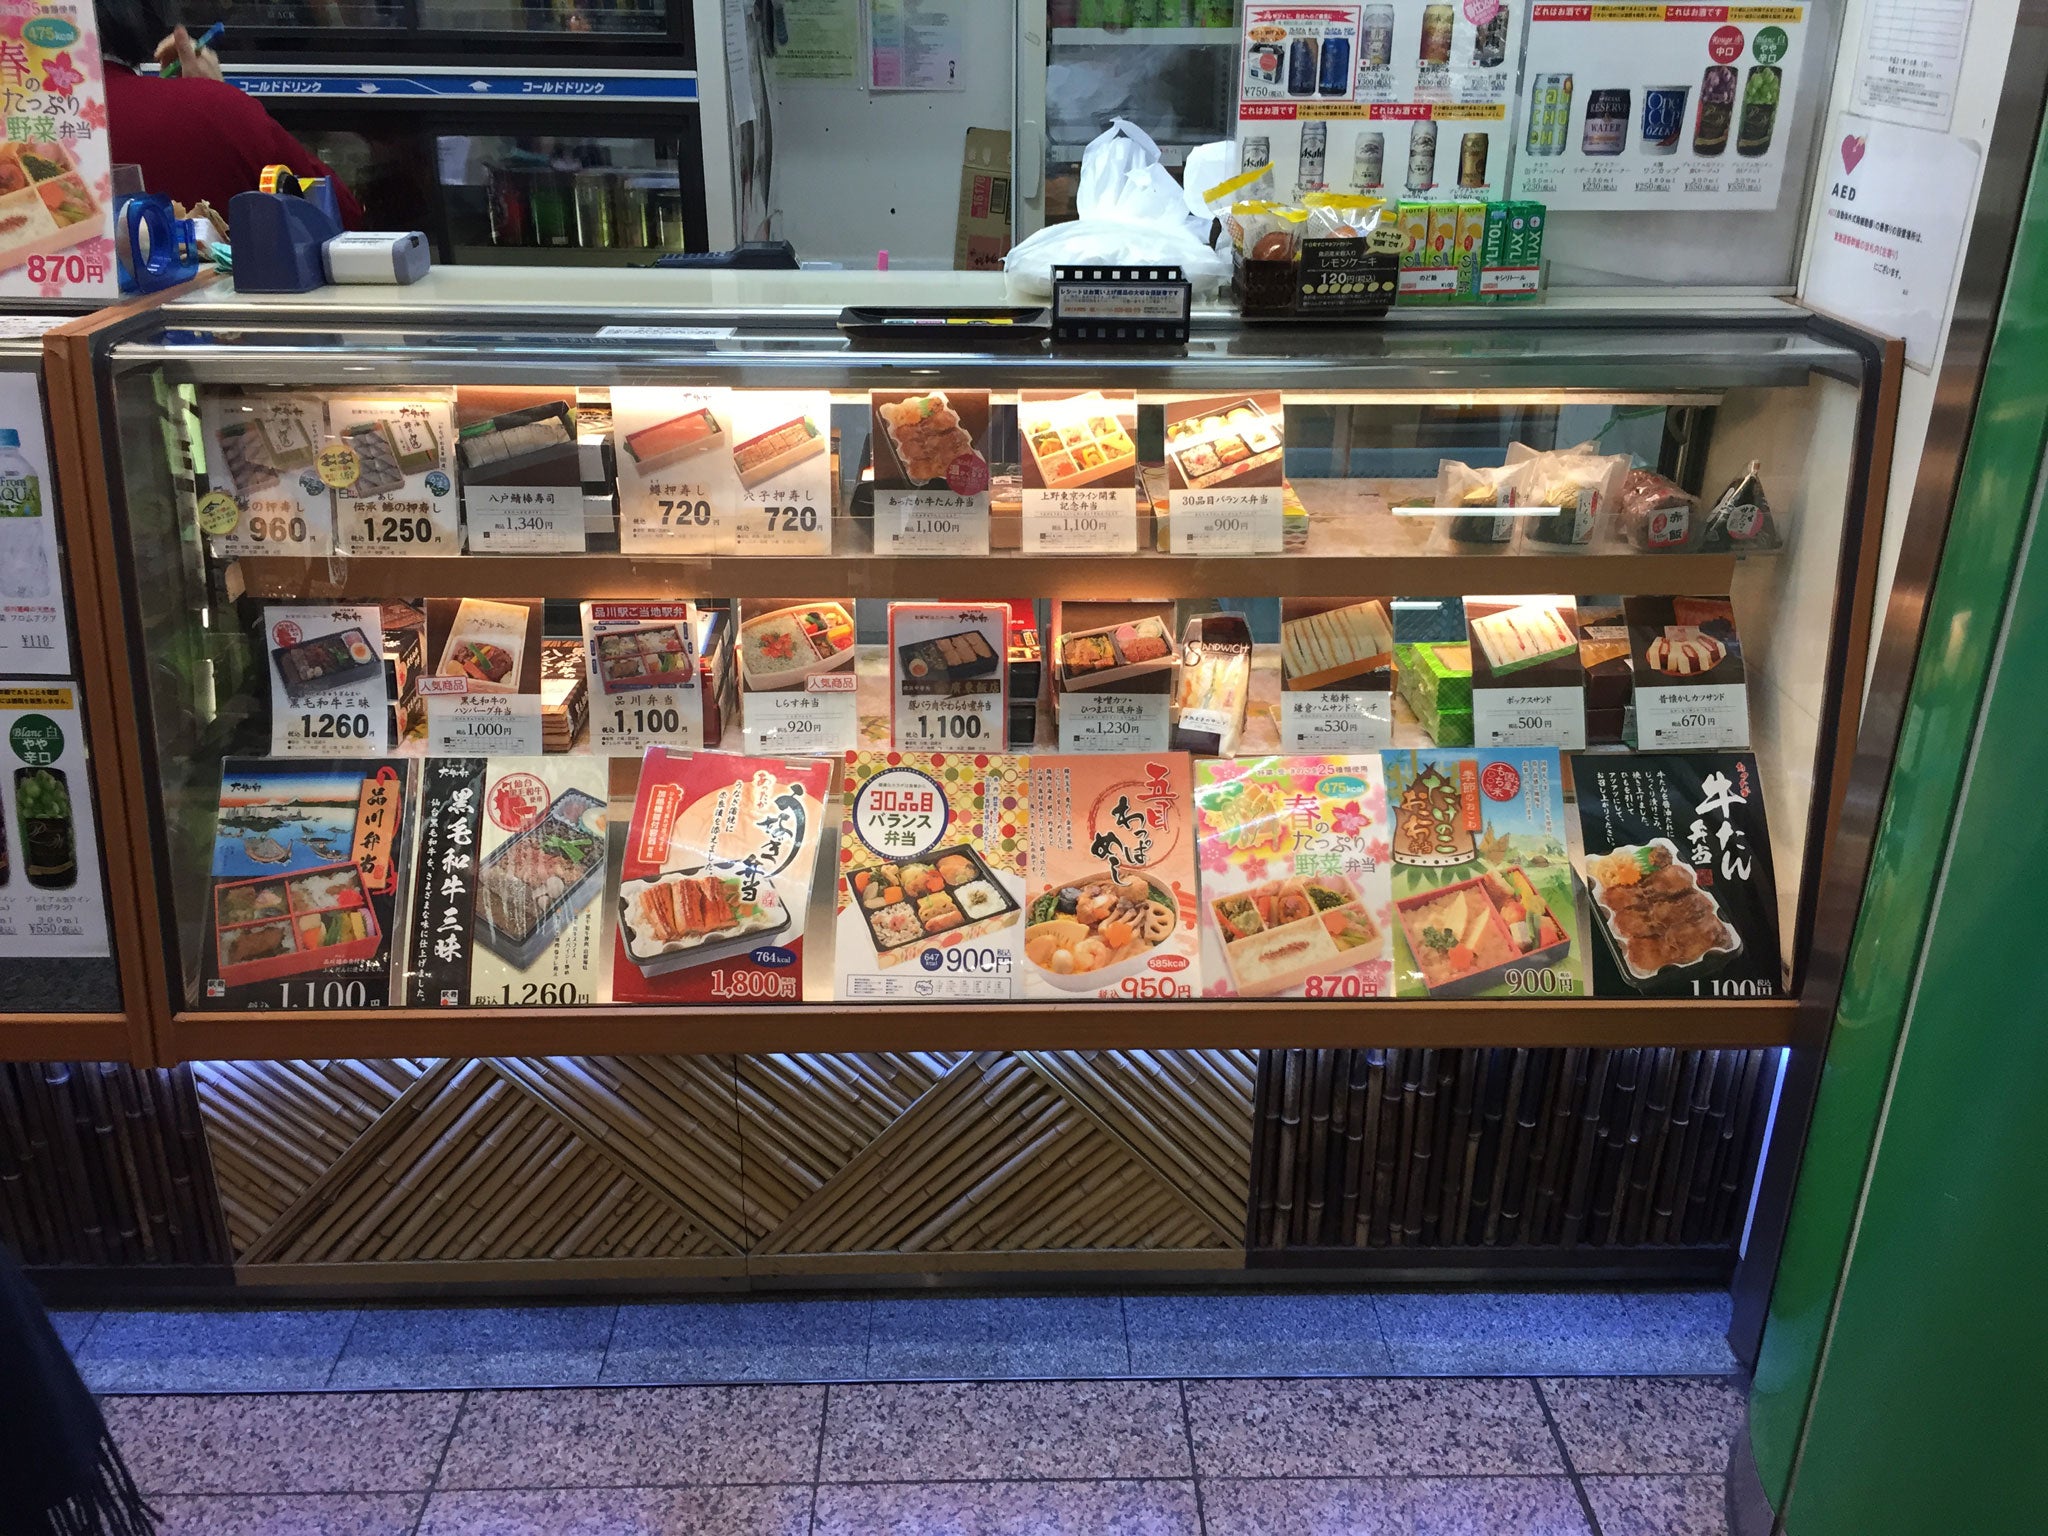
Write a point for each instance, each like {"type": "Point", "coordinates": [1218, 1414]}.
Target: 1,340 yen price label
{"type": "Point", "coordinates": [1241, 522]}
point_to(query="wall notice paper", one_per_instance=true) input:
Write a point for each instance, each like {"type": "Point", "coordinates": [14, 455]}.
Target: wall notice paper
{"type": "Point", "coordinates": [823, 41]}
{"type": "Point", "coordinates": [50, 901]}
{"type": "Point", "coordinates": [1893, 210]}
{"type": "Point", "coordinates": [1658, 106]}
{"type": "Point", "coordinates": [916, 45]}
{"type": "Point", "coordinates": [56, 193]}
{"type": "Point", "coordinates": [1409, 99]}
{"type": "Point", "coordinates": [33, 638]}
{"type": "Point", "coordinates": [1912, 52]}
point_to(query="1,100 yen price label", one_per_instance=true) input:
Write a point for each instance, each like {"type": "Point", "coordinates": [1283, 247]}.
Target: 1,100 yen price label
{"type": "Point", "coordinates": [933, 725]}
{"type": "Point", "coordinates": [1241, 522]}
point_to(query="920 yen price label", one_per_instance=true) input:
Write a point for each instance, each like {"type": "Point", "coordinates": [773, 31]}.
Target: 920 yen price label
{"type": "Point", "coordinates": [817, 719]}
{"type": "Point", "coordinates": [1227, 522]}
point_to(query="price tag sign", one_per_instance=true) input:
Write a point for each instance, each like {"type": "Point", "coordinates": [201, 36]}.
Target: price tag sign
{"type": "Point", "coordinates": [1113, 722]}
{"type": "Point", "coordinates": [1085, 521]}
{"type": "Point", "coordinates": [526, 520]}
{"type": "Point", "coordinates": [262, 452]}
{"type": "Point", "coordinates": [922, 522]}
{"type": "Point", "coordinates": [644, 684]}
{"type": "Point", "coordinates": [1336, 720]}
{"type": "Point", "coordinates": [328, 695]}
{"type": "Point", "coordinates": [937, 724]}
{"type": "Point", "coordinates": [1704, 716]}
{"type": "Point", "coordinates": [946, 676]}
{"type": "Point", "coordinates": [464, 724]}
{"type": "Point", "coordinates": [816, 720]}
{"type": "Point", "coordinates": [1530, 717]}
{"type": "Point", "coordinates": [782, 455]}
{"type": "Point", "coordinates": [678, 491]}
{"type": "Point", "coordinates": [1227, 522]}
{"type": "Point", "coordinates": [391, 464]}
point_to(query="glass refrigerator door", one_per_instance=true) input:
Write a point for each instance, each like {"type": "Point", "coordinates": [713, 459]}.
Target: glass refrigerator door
{"type": "Point", "coordinates": [269, 18]}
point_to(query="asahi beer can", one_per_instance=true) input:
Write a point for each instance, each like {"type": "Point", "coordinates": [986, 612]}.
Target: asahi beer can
{"type": "Point", "coordinates": [1301, 67]}
{"type": "Point", "coordinates": [1376, 37]}
{"type": "Point", "coordinates": [1315, 143]}
{"type": "Point", "coordinates": [1369, 162]}
{"type": "Point", "coordinates": [1436, 34]}
{"type": "Point", "coordinates": [1717, 110]}
{"type": "Point", "coordinates": [1490, 44]}
{"type": "Point", "coordinates": [1550, 114]}
{"type": "Point", "coordinates": [1421, 156]}
{"type": "Point", "coordinates": [1334, 75]}
{"type": "Point", "coordinates": [1663, 118]}
{"type": "Point", "coordinates": [1472, 160]}
{"type": "Point", "coordinates": [1256, 150]}
{"type": "Point", "coordinates": [1759, 110]}
{"type": "Point", "coordinates": [1606, 122]}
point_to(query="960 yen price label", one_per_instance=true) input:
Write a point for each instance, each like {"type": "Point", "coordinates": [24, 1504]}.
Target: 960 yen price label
{"type": "Point", "coordinates": [1240, 522]}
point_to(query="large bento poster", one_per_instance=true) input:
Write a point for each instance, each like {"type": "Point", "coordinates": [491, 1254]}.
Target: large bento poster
{"type": "Point", "coordinates": [56, 184]}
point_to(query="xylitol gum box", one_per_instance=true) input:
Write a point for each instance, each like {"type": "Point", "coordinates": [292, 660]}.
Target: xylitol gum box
{"type": "Point", "coordinates": [1512, 264]}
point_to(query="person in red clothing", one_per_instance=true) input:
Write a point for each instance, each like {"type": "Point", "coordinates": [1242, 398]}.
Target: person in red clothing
{"type": "Point", "coordinates": [196, 137]}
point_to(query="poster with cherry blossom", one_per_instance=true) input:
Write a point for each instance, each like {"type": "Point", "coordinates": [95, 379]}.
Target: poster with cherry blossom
{"type": "Point", "coordinates": [56, 197]}
{"type": "Point", "coordinates": [1297, 891]}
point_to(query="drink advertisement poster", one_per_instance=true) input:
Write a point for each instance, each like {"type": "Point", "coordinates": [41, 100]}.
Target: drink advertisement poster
{"type": "Point", "coordinates": [56, 186]}
{"type": "Point", "coordinates": [51, 903]}
{"type": "Point", "coordinates": [1658, 106]}
{"type": "Point", "coordinates": [1394, 99]}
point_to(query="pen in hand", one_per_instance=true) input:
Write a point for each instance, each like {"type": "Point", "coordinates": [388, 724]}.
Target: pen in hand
{"type": "Point", "coordinates": [173, 67]}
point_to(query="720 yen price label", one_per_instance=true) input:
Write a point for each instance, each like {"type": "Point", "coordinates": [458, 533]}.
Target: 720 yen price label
{"type": "Point", "coordinates": [1234, 522]}
{"type": "Point", "coordinates": [781, 453]}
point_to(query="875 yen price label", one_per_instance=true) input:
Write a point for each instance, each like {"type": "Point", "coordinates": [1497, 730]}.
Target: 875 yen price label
{"type": "Point", "coordinates": [1236, 522]}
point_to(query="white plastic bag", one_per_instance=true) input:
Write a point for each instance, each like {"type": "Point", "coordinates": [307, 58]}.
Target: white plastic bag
{"type": "Point", "coordinates": [1131, 210]}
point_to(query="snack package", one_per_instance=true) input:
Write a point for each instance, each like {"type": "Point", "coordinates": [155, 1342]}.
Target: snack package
{"type": "Point", "coordinates": [1741, 518]}
{"type": "Point", "coordinates": [1214, 686]}
{"type": "Point", "coordinates": [1461, 485]}
{"type": "Point", "coordinates": [1658, 514]}
{"type": "Point", "coordinates": [1579, 482]}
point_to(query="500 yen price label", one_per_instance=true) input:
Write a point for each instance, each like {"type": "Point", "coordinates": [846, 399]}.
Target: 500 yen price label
{"type": "Point", "coordinates": [1529, 717]}
{"type": "Point", "coordinates": [1241, 522]}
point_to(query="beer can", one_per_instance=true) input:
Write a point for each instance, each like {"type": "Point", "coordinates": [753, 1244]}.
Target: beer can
{"type": "Point", "coordinates": [1334, 77]}
{"type": "Point", "coordinates": [1315, 142]}
{"type": "Point", "coordinates": [1436, 34]}
{"type": "Point", "coordinates": [1663, 118]}
{"type": "Point", "coordinates": [1717, 110]}
{"type": "Point", "coordinates": [1490, 43]}
{"type": "Point", "coordinates": [1472, 160]}
{"type": "Point", "coordinates": [1421, 156]}
{"type": "Point", "coordinates": [1550, 114]}
{"type": "Point", "coordinates": [1376, 37]}
{"type": "Point", "coordinates": [1254, 151]}
{"type": "Point", "coordinates": [1302, 58]}
{"type": "Point", "coordinates": [1606, 122]}
{"type": "Point", "coordinates": [1369, 162]}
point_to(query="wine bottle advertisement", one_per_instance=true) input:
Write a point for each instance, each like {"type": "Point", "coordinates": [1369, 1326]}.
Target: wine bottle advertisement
{"type": "Point", "coordinates": [50, 900]}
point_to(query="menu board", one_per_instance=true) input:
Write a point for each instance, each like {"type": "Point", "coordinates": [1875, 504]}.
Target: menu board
{"type": "Point", "coordinates": [1484, 903]}
{"type": "Point", "coordinates": [1111, 912]}
{"type": "Point", "coordinates": [33, 637]}
{"type": "Point", "coordinates": [932, 859]}
{"type": "Point", "coordinates": [1398, 99]}
{"type": "Point", "coordinates": [715, 889]}
{"type": "Point", "coordinates": [1658, 106]}
{"type": "Point", "coordinates": [56, 194]}
{"type": "Point", "coordinates": [51, 903]}
{"type": "Point", "coordinates": [263, 492]}
{"type": "Point", "coordinates": [1295, 894]}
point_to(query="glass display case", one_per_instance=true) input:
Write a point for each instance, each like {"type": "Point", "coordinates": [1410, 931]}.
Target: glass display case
{"type": "Point", "coordinates": [738, 683]}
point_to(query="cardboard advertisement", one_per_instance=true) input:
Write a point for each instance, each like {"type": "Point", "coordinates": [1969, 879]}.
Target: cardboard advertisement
{"type": "Point", "coordinates": [56, 186]}
{"type": "Point", "coordinates": [51, 900]}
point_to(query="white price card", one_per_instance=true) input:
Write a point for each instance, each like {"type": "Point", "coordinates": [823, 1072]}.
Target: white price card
{"type": "Point", "coordinates": [1246, 521]}
{"type": "Point", "coordinates": [782, 457]}
{"type": "Point", "coordinates": [465, 724]}
{"type": "Point", "coordinates": [51, 905]}
{"type": "Point", "coordinates": [975, 722]}
{"type": "Point", "coordinates": [1530, 717]}
{"type": "Point", "coordinates": [391, 463]}
{"type": "Point", "coordinates": [947, 678]}
{"type": "Point", "coordinates": [644, 684]}
{"type": "Point", "coordinates": [328, 694]}
{"type": "Point", "coordinates": [1336, 720]}
{"type": "Point", "coordinates": [33, 638]}
{"type": "Point", "coordinates": [1087, 521]}
{"type": "Point", "coordinates": [818, 719]}
{"type": "Point", "coordinates": [678, 492]}
{"type": "Point", "coordinates": [1704, 715]}
{"type": "Point", "coordinates": [526, 520]}
{"type": "Point", "coordinates": [264, 494]}
{"type": "Point", "coordinates": [1113, 722]}
{"type": "Point", "coordinates": [922, 522]}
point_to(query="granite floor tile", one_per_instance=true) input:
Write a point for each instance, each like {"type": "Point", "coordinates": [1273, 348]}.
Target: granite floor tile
{"type": "Point", "coordinates": [1008, 1509]}
{"type": "Point", "coordinates": [1387, 1427]}
{"type": "Point", "coordinates": [757, 1511]}
{"type": "Point", "coordinates": [1256, 1333]}
{"type": "Point", "coordinates": [291, 1514]}
{"type": "Point", "coordinates": [940, 1431]}
{"type": "Point", "coordinates": [474, 1347]}
{"type": "Point", "coordinates": [631, 1437]}
{"type": "Point", "coordinates": [822, 1340]}
{"type": "Point", "coordinates": [1526, 1333]}
{"type": "Point", "coordinates": [286, 1442]}
{"type": "Point", "coordinates": [1659, 1506]}
{"type": "Point", "coordinates": [73, 1327]}
{"type": "Point", "coordinates": [1468, 1506]}
{"type": "Point", "coordinates": [253, 1350]}
{"type": "Point", "coordinates": [1646, 1424]}
{"type": "Point", "coordinates": [997, 1337]}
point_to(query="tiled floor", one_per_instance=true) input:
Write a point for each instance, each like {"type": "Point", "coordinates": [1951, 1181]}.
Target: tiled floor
{"type": "Point", "coordinates": [1378, 1456]}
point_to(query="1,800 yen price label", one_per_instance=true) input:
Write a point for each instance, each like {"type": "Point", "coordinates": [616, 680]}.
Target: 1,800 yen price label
{"type": "Point", "coordinates": [1241, 522]}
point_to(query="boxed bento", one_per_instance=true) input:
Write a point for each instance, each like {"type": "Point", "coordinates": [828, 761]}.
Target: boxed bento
{"type": "Point", "coordinates": [1294, 869]}
{"type": "Point", "coordinates": [715, 887]}
{"type": "Point", "coordinates": [1691, 687]}
{"type": "Point", "coordinates": [492, 646]}
{"type": "Point", "coordinates": [796, 659]}
{"type": "Point", "coordinates": [403, 499]}
{"type": "Point", "coordinates": [1484, 901]}
{"type": "Point", "coordinates": [932, 860]}
{"type": "Point", "coordinates": [1678, 868]}
{"type": "Point", "coordinates": [1528, 683]}
{"type": "Point", "coordinates": [308, 864]}
{"type": "Point", "coordinates": [931, 437]}
{"type": "Point", "coordinates": [1073, 440]}
{"type": "Point", "coordinates": [1112, 903]}
{"type": "Point", "coordinates": [1223, 441]}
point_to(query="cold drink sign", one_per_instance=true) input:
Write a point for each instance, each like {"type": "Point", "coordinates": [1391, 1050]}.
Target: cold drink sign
{"type": "Point", "coordinates": [1657, 106]}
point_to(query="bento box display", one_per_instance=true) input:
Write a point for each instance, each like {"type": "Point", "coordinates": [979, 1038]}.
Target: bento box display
{"type": "Point", "coordinates": [1225, 441]}
{"type": "Point", "coordinates": [1214, 688]}
{"type": "Point", "coordinates": [261, 495]}
{"type": "Point", "coordinates": [1692, 688]}
{"type": "Point", "coordinates": [1073, 440]}
{"type": "Point", "coordinates": [1434, 679]}
{"type": "Point", "coordinates": [932, 858]}
{"type": "Point", "coordinates": [644, 656]}
{"type": "Point", "coordinates": [308, 668]}
{"type": "Point", "coordinates": [715, 890]}
{"type": "Point", "coordinates": [403, 500]}
{"type": "Point", "coordinates": [1111, 911]}
{"type": "Point", "coordinates": [1115, 655]}
{"type": "Point", "coordinates": [784, 645]}
{"type": "Point", "coordinates": [1328, 643]}
{"type": "Point", "coordinates": [493, 646]}
{"type": "Point", "coordinates": [931, 437]}
{"type": "Point", "coordinates": [1484, 900]}
{"type": "Point", "coordinates": [1294, 877]}
{"type": "Point", "coordinates": [1678, 867]}
{"type": "Point", "coordinates": [46, 203]}
{"type": "Point", "coordinates": [308, 861]}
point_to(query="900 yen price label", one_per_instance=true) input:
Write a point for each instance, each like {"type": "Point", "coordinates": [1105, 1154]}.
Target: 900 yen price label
{"type": "Point", "coordinates": [1240, 522]}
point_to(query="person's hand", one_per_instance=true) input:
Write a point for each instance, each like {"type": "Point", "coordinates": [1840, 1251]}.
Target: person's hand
{"type": "Point", "coordinates": [193, 63]}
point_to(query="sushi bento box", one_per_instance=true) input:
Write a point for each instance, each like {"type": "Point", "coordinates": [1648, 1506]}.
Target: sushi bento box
{"type": "Point", "coordinates": [932, 665]}
{"type": "Point", "coordinates": [534, 444]}
{"type": "Point", "coordinates": [676, 921]}
{"type": "Point", "coordinates": [651, 656]}
{"type": "Point", "coordinates": [767, 454]}
{"type": "Point", "coordinates": [1467, 936]}
{"type": "Point", "coordinates": [1226, 441]}
{"type": "Point", "coordinates": [1659, 923]}
{"type": "Point", "coordinates": [782, 647]}
{"type": "Point", "coordinates": [45, 202]}
{"type": "Point", "coordinates": [1326, 645]}
{"type": "Point", "coordinates": [1077, 440]}
{"type": "Point", "coordinates": [1277, 934]}
{"type": "Point", "coordinates": [276, 926]}
{"type": "Point", "coordinates": [1116, 653]}
{"type": "Point", "coordinates": [533, 885]}
{"type": "Point", "coordinates": [905, 904]}
{"type": "Point", "coordinates": [670, 442]}
{"type": "Point", "coordinates": [315, 666]}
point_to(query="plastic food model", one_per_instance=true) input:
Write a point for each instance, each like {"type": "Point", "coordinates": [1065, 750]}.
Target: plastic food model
{"type": "Point", "coordinates": [1523, 637]}
{"type": "Point", "coordinates": [498, 451]}
{"type": "Point", "coordinates": [926, 434]}
{"type": "Point", "coordinates": [534, 883]}
{"type": "Point", "coordinates": [1092, 658]}
{"type": "Point", "coordinates": [768, 454]}
{"type": "Point", "coordinates": [1318, 649]}
{"type": "Point", "coordinates": [1224, 445]}
{"type": "Point", "coordinates": [670, 442]}
{"type": "Point", "coordinates": [1655, 911]}
{"type": "Point", "coordinates": [1075, 442]}
{"type": "Point", "coordinates": [782, 648]}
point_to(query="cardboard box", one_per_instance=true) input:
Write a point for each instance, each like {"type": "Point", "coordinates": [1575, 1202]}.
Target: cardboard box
{"type": "Point", "coordinates": [1511, 263]}
{"type": "Point", "coordinates": [1471, 239]}
{"type": "Point", "coordinates": [982, 235]}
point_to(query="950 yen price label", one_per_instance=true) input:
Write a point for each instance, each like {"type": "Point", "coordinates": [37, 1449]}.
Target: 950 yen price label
{"type": "Point", "coordinates": [1239, 522]}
